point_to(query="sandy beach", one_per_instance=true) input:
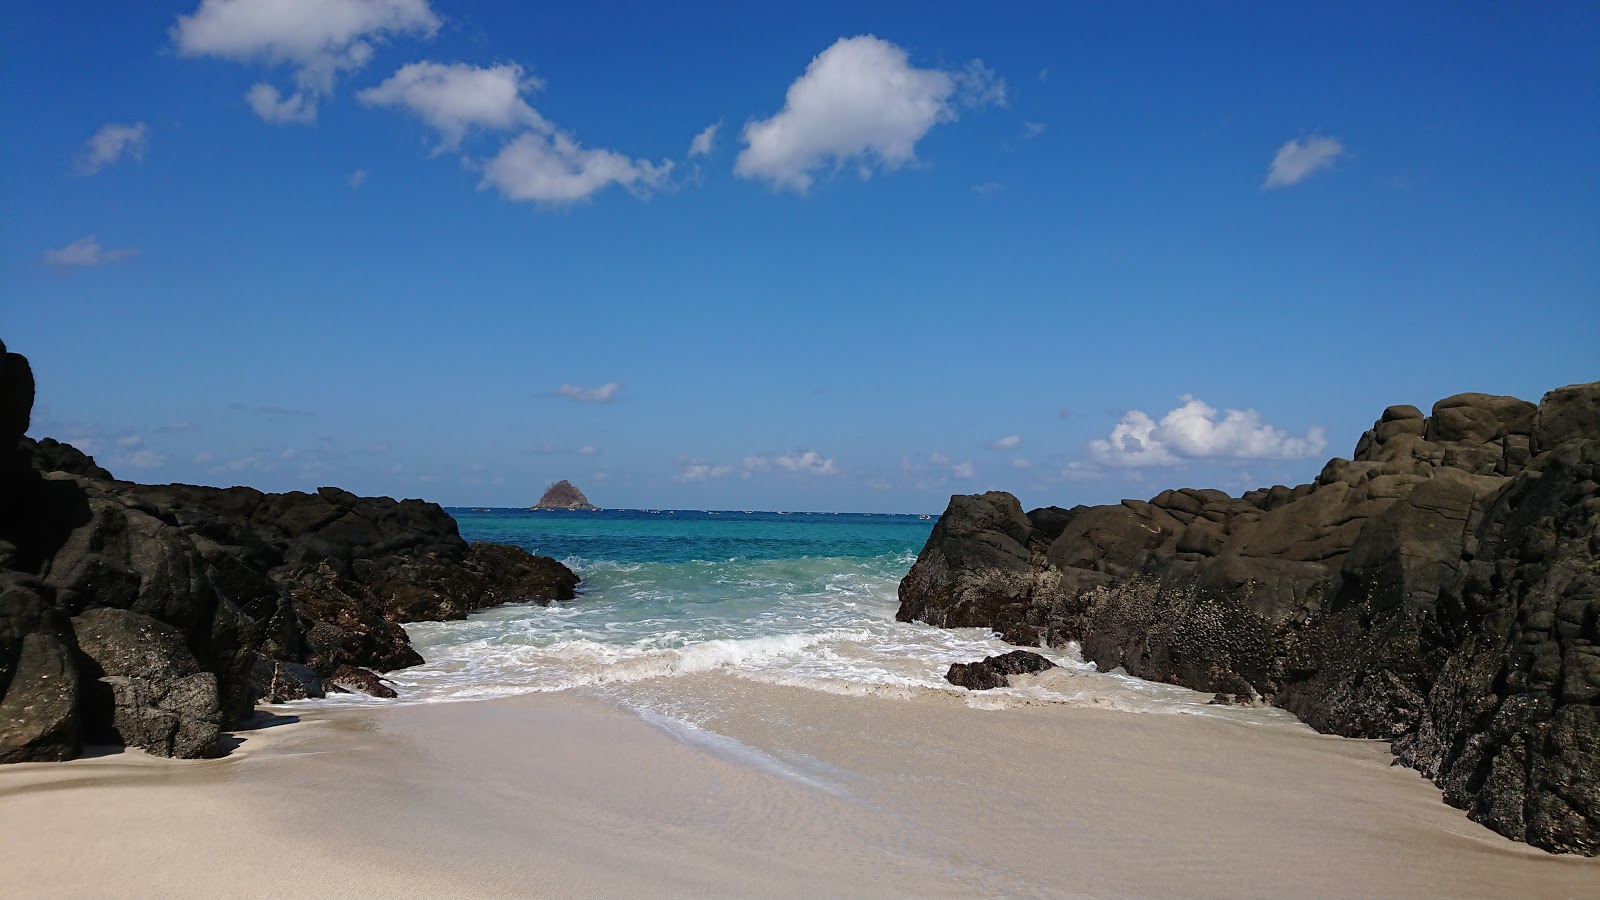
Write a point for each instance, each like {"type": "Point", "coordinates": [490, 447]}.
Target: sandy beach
{"type": "Point", "coordinates": [775, 792]}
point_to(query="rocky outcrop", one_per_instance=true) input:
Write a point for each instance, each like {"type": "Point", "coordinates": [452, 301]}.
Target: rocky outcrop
{"type": "Point", "coordinates": [995, 671]}
{"type": "Point", "coordinates": [157, 615]}
{"type": "Point", "coordinates": [562, 495]}
{"type": "Point", "coordinates": [1439, 590]}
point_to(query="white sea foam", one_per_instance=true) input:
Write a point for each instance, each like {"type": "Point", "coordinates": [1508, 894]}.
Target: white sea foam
{"type": "Point", "coordinates": [821, 623]}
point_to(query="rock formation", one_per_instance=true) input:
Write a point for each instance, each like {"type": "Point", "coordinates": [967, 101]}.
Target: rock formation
{"type": "Point", "coordinates": [157, 615]}
{"type": "Point", "coordinates": [562, 495]}
{"type": "Point", "coordinates": [1440, 590]}
{"type": "Point", "coordinates": [996, 671]}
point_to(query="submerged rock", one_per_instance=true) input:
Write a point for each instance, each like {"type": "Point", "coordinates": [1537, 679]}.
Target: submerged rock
{"type": "Point", "coordinates": [562, 495]}
{"type": "Point", "coordinates": [157, 615]}
{"type": "Point", "coordinates": [1439, 590]}
{"type": "Point", "coordinates": [992, 672]}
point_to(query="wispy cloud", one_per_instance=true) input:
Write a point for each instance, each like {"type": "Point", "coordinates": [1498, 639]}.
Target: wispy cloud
{"type": "Point", "coordinates": [1009, 442]}
{"type": "Point", "coordinates": [357, 179]}
{"type": "Point", "coordinates": [111, 143]}
{"type": "Point", "coordinates": [1198, 431]}
{"type": "Point", "coordinates": [705, 141]}
{"type": "Point", "coordinates": [860, 103]}
{"type": "Point", "coordinates": [605, 393]}
{"type": "Point", "coordinates": [1298, 160]}
{"type": "Point", "coordinates": [1031, 130]}
{"type": "Point", "coordinates": [699, 470]}
{"type": "Point", "coordinates": [85, 252]}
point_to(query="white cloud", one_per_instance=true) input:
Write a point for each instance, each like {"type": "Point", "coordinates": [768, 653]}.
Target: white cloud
{"type": "Point", "coordinates": [757, 464]}
{"type": "Point", "coordinates": [700, 471]}
{"type": "Point", "coordinates": [319, 38]}
{"type": "Point", "coordinates": [142, 459]}
{"type": "Point", "coordinates": [938, 459]}
{"type": "Point", "coordinates": [85, 252]}
{"type": "Point", "coordinates": [452, 98]}
{"type": "Point", "coordinates": [704, 141]}
{"type": "Point", "coordinates": [111, 143]}
{"type": "Point", "coordinates": [602, 394]}
{"type": "Point", "coordinates": [1194, 430]}
{"type": "Point", "coordinates": [1009, 442]}
{"type": "Point", "coordinates": [809, 462]}
{"type": "Point", "coordinates": [1020, 463]}
{"type": "Point", "coordinates": [1298, 160]}
{"type": "Point", "coordinates": [554, 169]}
{"type": "Point", "coordinates": [988, 189]}
{"type": "Point", "coordinates": [963, 470]}
{"type": "Point", "coordinates": [1031, 130]}
{"type": "Point", "coordinates": [130, 440]}
{"type": "Point", "coordinates": [271, 106]}
{"type": "Point", "coordinates": [358, 178]}
{"type": "Point", "coordinates": [861, 102]}
{"type": "Point", "coordinates": [588, 451]}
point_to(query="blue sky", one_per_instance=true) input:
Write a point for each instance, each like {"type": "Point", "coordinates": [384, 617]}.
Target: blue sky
{"type": "Point", "coordinates": [458, 251]}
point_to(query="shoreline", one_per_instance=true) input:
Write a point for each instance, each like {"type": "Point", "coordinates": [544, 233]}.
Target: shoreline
{"type": "Point", "coordinates": [716, 785]}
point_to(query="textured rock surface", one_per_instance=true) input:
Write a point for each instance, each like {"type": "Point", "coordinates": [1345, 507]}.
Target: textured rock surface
{"type": "Point", "coordinates": [1440, 590]}
{"type": "Point", "coordinates": [155, 615]}
{"type": "Point", "coordinates": [995, 671]}
{"type": "Point", "coordinates": [562, 495]}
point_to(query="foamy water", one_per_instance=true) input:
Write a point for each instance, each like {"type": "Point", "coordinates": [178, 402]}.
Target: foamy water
{"type": "Point", "coordinates": [665, 596]}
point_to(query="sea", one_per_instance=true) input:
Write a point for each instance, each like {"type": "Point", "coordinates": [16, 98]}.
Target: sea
{"type": "Point", "coordinates": [803, 599]}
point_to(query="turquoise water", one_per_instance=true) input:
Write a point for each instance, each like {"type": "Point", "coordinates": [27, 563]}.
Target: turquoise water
{"type": "Point", "coordinates": [803, 599]}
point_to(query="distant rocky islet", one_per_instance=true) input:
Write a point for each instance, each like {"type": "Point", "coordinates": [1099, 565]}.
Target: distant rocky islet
{"type": "Point", "coordinates": [563, 495]}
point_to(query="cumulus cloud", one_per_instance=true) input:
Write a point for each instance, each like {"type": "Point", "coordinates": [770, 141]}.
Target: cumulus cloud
{"type": "Point", "coordinates": [1009, 442]}
{"type": "Point", "coordinates": [963, 470]}
{"type": "Point", "coordinates": [602, 394]}
{"type": "Point", "coordinates": [112, 142]}
{"type": "Point", "coordinates": [704, 141]}
{"type": "Point", "coordinates": [1298, 160]}
{"type": "Point", "coordinates": [1195, 431]}
{"type": "Point", "coordinates": [85, 252]}
{"type": "Point", "coordinates": [808, 462]}
{"type": "Point", "coordinates": [554, 169]}
{"type": "Point", "coordinates": [859, 102]}
{"type": "Point", "coordinates": [318, 38]}
{"type": "Point", "coordinates": [587, 451]}
{"type": "Point", "coordinates": [452, 98]}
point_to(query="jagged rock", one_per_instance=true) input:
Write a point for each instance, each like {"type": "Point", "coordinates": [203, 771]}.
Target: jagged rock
{"type": "Point", "coordinates": [143, 688]}
{"type": "Point", "coordinates": [353, 678]}
{"type": "Point", "coordinates": [993, 671]}
{"type": "Point", "coordinates": [1440, 590]}
{"type": "Point", "coordinates": [562, 495]}
{"type": "Point", "coordinates": [277, 681]}
{"type": "Point", "coordinates": [39, 719]}
{"type": "Point", "coordinates": [171, 596]}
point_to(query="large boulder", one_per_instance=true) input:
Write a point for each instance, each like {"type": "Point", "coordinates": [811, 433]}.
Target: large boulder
{"type": "Point", "coordinates": [39, 719]}
{"type": "Point", "coordinates": [151, 692]}
{"type": "Point", "coordinates": [995, 671]}
{"type": "Point", "coordinates": [1439, 590]}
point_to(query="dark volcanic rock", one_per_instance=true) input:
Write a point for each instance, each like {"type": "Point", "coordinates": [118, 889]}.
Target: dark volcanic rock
{"type": "Point", "coordinates": [993, 671]}
{"type": "Point", "coordinates": [352, 678]}
{"type": "Point", "coordinates": [562, 495]}
{"type": "Point", "coordinates": [143, 688]}
{"type": "Point", "coordinates": [156, 615]}
{"type": "Point", "coordinates": [1440, 590]}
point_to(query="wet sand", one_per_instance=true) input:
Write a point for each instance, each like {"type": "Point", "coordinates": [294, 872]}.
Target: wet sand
{"type": "Point", "coordinates": [714, 786]}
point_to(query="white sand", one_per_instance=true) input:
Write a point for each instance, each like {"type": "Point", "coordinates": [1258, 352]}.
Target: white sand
{"type": "Point", "coordinates": [790, 793]}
